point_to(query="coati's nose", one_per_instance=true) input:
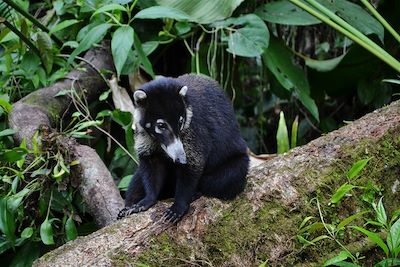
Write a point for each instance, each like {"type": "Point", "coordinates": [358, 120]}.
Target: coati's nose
{"type": "Point", "coordinates": [175, 151]}
{"type": "Point", "coordinates": [181, 159]}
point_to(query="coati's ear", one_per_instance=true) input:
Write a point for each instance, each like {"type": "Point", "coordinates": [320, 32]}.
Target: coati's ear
{"type": "Point", "coordinates": [139, 96]}
{"type": "Point", "coordinates": [183, 91]}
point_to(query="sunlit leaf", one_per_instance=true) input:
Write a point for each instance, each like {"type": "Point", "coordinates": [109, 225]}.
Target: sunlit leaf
{"type": "Point", "coordinates": [393, 238]}
{"type": "Point", "coordinates": [121, 43]}
{"type": "Point", "coordinates": [95, 35]}
{"type": "Point", "coordinates": [343, 255]}
{"type": "Point", "coordinates": [62, 25]}
{"type": "Point", "coordinates": [357, 168]}
{"type": "Point", "coordinates": [282, 137]}
{"type": "Point", "coordinates": [124, 183]}
{"type": "Point", "coordinates": [109, 7]}
{"type": "Point", "coordinates": [248, 36]}
{"type": "Point", "coordinates": [341, 192]}
{"type": "Point", "coordinates": [349, 219]}
{"type": "Point", "coordinates": [157, 12]}
{"type": "Point", "coordinates": [27, 232]}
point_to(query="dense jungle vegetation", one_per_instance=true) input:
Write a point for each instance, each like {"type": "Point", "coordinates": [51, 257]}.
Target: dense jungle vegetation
{"type": "Point", "coordinates": [294, 69]}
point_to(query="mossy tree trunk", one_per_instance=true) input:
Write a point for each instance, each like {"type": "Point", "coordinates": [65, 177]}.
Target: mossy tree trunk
{"type": "Point", "coordinates": [261, 224]}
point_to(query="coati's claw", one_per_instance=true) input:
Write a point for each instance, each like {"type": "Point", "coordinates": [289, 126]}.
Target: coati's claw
{"type": "Point", "coordinates": [135, 208]}
{"type": "Point", "coordinates": [171, 216]}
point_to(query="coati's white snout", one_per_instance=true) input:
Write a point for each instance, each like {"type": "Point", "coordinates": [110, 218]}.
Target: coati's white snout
{"type": "Point", "coordinates": [175, 151]}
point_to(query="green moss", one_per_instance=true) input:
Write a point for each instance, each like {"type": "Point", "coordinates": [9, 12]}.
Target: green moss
{"type": "Point", "coordinates": [242, 236]}
{"type": "Point", "coordinates": [53, 107]}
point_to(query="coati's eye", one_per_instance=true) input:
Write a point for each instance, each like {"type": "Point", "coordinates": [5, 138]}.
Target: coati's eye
{"type": "Point", "coordinates": [161, 125]}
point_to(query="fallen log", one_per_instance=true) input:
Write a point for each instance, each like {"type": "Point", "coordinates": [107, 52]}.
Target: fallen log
{"type": "Point", "coordinates": [261, 224]}
{"type": "Point", "coordinates": [45, 107]}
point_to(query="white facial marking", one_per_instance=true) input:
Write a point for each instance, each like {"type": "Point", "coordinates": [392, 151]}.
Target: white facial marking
{"type": "Point", "coordinates": [183, 90]}
{"type": "Point", "coordinates": [175, 151]}
{"type": "Point", "coordinates": [189, 115]}
{"type": "Point", "coordinates": [137, 115]}
{"type": "Point", "coordinates": [148, 125]}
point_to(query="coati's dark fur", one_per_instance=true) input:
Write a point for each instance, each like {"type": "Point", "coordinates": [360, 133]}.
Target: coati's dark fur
{"type": "Point", "coordinates": [213, 161]}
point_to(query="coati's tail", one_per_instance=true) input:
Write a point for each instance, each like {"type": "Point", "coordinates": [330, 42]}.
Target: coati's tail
{"type": "Point", "coordinates": [228, 180]}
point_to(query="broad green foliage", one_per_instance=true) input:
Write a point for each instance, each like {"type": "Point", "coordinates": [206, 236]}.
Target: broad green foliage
{"type": "Point", "coordinates": [203, 11]}
{"type": "Point", "coordinates": [284, 12]}
{"type": "Point", "coordinates": [276, 73]}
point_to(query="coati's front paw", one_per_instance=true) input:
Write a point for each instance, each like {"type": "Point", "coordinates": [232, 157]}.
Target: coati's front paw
{"type": "Point", "coordinates": [174, 214]}
{"type": "Point", "coordinates": [135, 208]}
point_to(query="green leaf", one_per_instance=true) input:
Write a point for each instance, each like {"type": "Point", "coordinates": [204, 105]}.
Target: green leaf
{"type": "Point", "coordinates": [70, 229]}
{"type": "Point", "coordinates": [388, 262]}
{"type": "Point", "coordinates": [295, 127]}
{"type": "Point", "coordinates": [7, 222]}
{"type": "Point", "coordinates": [121, 44]}
{"type": "Point", "coordinates": [349, 219]}
{"type": "Point", "coordinates": [341, 192]}
{"type": "Point", "coordinates": [12, 155]}
{"type": "Point", "coordinates": [306, 219]}
{"type": "Point", "coordinates": [25, 256]}
{"type": "Point", "coordinates": [312, 228]}
{"type": "Point", "coordinates": [249, 36]}
{"type": "Point", "coordinates": [357, 168]}
{"type": "Point", "coordinates": [109, 7]}
{"type": "Point", "coordinates": [380, 212]}
{"type": "Point", "coordinates": [356, 16]}
{"type": "Point", "coordinates": [27, 232]}
{"type": "Point", "coordinates": [304, 241]}
{"type": "Point", "coordinates": [374, 238]}
{"type": "Point", "coordinates": [284, 12]}
{"type": "Point", "coordinates": [124, 183]}
{"type": "Point", "coordinates": [5, 105]}
{"type": "Point", "coordinates": [143, 57]}
{"type": "Point", "coordinates": [7, 132]}
{"type": "Point", "coordinates": [343, 255]}
{"type": "Point", "coordinates": [15, 200]}
{"type": "Point", "coordinates": [62, 25]}
{"type": "Point", "coordinates": [393, 238]}
{"type": "Point", "coordinates": [45, 47]}
{"type": "Point", "coordinates": [46, 232]}
{"type": "Point", "coordinates": [95, 35]}
{"type": "Point", "coordinates": [308, 102]}
{"type": "Point", "coordinates": [391, 81]}
{"type": "Point", "coordinates": [279, 60]}
{"type": "Point", "coordinates": [282, 137]}
{"type": "Point", "coordinates": [324, 65]}
{"type": "Point", "coordinates": [158, 12]}
{"type": "Point", "coordinates": [203, 11]}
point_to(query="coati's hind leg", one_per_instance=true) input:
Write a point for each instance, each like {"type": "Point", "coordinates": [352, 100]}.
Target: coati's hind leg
{"type": "Point", "coordinates": [227, 180]}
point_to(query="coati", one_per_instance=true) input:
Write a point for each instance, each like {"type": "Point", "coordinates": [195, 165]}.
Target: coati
{"type": "Point", "coordinates": [188, 142]}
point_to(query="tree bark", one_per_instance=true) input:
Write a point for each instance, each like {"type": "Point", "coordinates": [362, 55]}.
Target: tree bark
{"type": "Point", "coordinates": [261, 224]}
{"type": "Point", "coordinates": [45, 107]}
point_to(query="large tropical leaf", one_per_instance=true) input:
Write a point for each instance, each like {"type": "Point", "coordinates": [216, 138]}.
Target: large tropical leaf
{"type": "Point", "coordinates": [203, 11]}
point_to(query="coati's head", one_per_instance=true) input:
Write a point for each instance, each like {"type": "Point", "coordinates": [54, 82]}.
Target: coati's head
{"type": "Point", "coordinates": [160, 109]}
